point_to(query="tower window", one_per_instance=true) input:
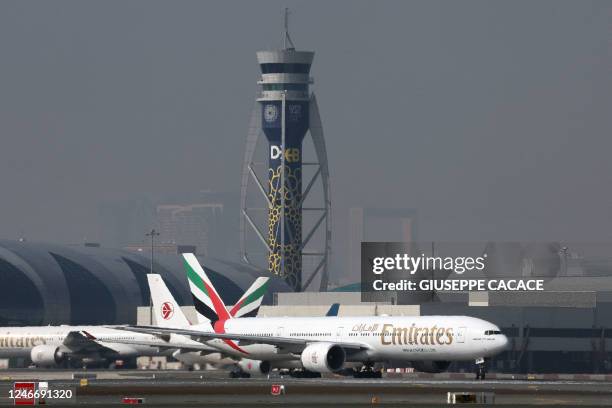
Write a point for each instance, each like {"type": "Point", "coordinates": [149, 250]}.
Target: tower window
{"type": "Point", "coordinates": [285, 87]}
{"type": "Point", "coordinates": [280, 68]}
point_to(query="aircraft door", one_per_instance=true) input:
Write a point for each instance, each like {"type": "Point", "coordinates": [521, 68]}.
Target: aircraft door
{"type": "Point", "coordinates": [461, 335]}
{"type": "Point", "coordinates": [339, 333]}
{"type": "Point", "coordinates": [280, 331]}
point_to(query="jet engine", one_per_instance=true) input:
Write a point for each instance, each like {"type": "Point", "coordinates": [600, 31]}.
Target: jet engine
{"type": "Point", "coordinates": [254, 367]}
{"type": "Point", "coordinates": [45, 355]}
{"type": "Point", "coordinates": [431, 366]}
{"type": "Point", "coordinates": [323, 357]}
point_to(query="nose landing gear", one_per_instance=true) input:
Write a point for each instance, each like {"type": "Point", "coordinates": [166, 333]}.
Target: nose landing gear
{"type": "Point", "coordinates": [481, 368]}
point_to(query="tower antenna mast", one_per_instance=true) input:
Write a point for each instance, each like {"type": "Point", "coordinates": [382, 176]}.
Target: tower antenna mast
{"type": "Point", "coordinates": [287, 37]}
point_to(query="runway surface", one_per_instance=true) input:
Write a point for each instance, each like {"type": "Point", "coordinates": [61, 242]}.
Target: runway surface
{"type": "Point", "coordinates": [187, 389]}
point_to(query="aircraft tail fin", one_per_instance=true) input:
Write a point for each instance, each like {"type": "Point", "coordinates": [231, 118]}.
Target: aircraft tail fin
{"type": "Point", "coordinates": [248, 304]}
{"type": "Point", "coordinates": [208, 303]}
{"type": "Point", "coordinates": [166, 312]}
{"type": "Point", "coordinates": [333, 310]}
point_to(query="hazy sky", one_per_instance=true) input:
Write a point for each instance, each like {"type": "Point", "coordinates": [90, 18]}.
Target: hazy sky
{"type": "Point", "coordinates": [492, 119]}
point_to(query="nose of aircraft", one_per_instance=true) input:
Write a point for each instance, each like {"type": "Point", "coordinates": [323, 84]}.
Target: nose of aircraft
{"type": "Point", "coordinates": [503, 342]}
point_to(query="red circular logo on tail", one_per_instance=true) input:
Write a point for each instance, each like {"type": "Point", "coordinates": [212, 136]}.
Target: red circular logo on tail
{"type": "Point", "coordinates": [167, 310]}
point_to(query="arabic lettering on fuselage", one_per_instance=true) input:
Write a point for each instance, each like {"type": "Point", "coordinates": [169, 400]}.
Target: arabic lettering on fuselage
{"type": "Point", "coordinates": [390, 334]}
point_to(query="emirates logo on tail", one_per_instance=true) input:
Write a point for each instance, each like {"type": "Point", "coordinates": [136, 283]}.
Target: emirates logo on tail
{"type": "Point", "coordinates": [167, 310]}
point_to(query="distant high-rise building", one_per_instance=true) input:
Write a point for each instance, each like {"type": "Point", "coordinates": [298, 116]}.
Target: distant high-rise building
{"type": "Point", "coordinates": [192, 224]}
{"type": "Point", "coordinates": [205, 220]}
{"type": "Point", "coordinates": [378, 224]}
{"type": "Point", "coordinates": [124, 221]}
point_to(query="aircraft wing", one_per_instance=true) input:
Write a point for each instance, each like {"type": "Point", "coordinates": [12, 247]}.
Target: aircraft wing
{"type": "Point", "coordinates": [84, 337]}
{"type": "Point", "coordinates": [173, 345]}
{"type": "Point", "coordinates": [82, 341]}
{"type": "Point", "coordinates": [285, 342]}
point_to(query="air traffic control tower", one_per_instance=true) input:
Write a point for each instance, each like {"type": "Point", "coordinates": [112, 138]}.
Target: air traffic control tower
{"type": "Point", "coordinates": [285, 113]}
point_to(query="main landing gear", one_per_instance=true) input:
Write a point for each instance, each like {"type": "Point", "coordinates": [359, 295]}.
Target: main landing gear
{"type": "Point", "coordinates": [367, 371]}
{"type": "Point", "coordinates": [481, 368]}
{"type": "Point", "coordinates": [238, 373]}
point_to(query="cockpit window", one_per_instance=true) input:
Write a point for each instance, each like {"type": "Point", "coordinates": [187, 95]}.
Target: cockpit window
{"type": "Point", "coordinates": [492, 332]}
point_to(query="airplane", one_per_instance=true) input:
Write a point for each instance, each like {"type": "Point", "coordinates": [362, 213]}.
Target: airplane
{"type": "Point", "coordinates": [334, 344]}
{"type": "Point", "coordinates": [163, 302]}
{"type": "Point", "coordinates": [48, 346]}
{"type": "Point", "coordinates": [167, 310]}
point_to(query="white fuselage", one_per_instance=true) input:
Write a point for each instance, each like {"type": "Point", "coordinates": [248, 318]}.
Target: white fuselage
{"type": "Point", "coordinates": [19, 341]}
{"type": "Point", "coordinates": [419, 338]}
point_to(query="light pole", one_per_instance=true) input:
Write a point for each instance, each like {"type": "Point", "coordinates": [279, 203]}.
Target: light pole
{"type": "Point", "coordinates": [151, 234]}
{"type": "Point", "coordinates": [564, 251]}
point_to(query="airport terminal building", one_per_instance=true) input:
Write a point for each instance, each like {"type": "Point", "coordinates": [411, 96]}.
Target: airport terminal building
{"type": "Point", "coordinates": [42, 284]}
